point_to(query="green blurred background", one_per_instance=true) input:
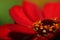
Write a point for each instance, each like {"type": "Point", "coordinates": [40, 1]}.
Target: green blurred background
{"type": "Point", "coordinates": [6, 4]}
{"type": "Point", "coordinates": [4, 10]}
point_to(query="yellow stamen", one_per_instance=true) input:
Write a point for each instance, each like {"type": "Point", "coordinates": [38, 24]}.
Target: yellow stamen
{"type": "Point", "coordinates": [46, 27]}
{"type": "Point", "coordinates": [56, 25]}
{"type": "Point", "coordinates": [44, 31]}
{"type": "Point", "coordinates": [37, 28]}
{"type": "Point", "coordinates": [41, 27]}
{"type": "Point", "coordinates": [50, 29]}
{"type": "Point", "coordinates": [39, 22]}
{"type": "Point", "coordinates": [37, 25]}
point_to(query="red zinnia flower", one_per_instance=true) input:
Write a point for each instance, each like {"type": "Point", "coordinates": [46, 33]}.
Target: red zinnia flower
{"type": "Point", "coordinates": [32, 21]}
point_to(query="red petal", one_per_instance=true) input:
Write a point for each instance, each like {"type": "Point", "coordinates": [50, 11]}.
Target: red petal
{"type": "Point", "coordinates": [40, 38]}
{"type": "Point", "coordinates": [32, 11]}
{"type": "Point", "coordinates": [4, 30]}
{"type": "Point", "coordinates": [35, 38]}
{"type": "Point", "coordinates": [58, 31]}
{"type": "Point", "coordinates": [6, 38]}
{"type": "Point", "coordinates": [22, 29]}
{"type": "Point", "coordinates": [18, 15]}
{"type": "Point", "coordinates": [50, 35]}
{"type": "Point", "coordinates": [43, 38]}
{"type": "Point", "coordinates": [52, 10]}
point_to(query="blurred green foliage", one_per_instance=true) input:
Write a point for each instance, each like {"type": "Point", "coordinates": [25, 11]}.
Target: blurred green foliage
{"type": "Point", "coordinates": [4, 10]}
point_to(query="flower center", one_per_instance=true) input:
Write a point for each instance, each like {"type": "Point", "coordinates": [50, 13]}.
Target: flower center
{"type": "Point", "coordinates": [46, 26]}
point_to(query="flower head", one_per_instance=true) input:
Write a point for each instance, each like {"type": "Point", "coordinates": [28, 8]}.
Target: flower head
{"type": "Point", "coordinates": [32, 21]}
